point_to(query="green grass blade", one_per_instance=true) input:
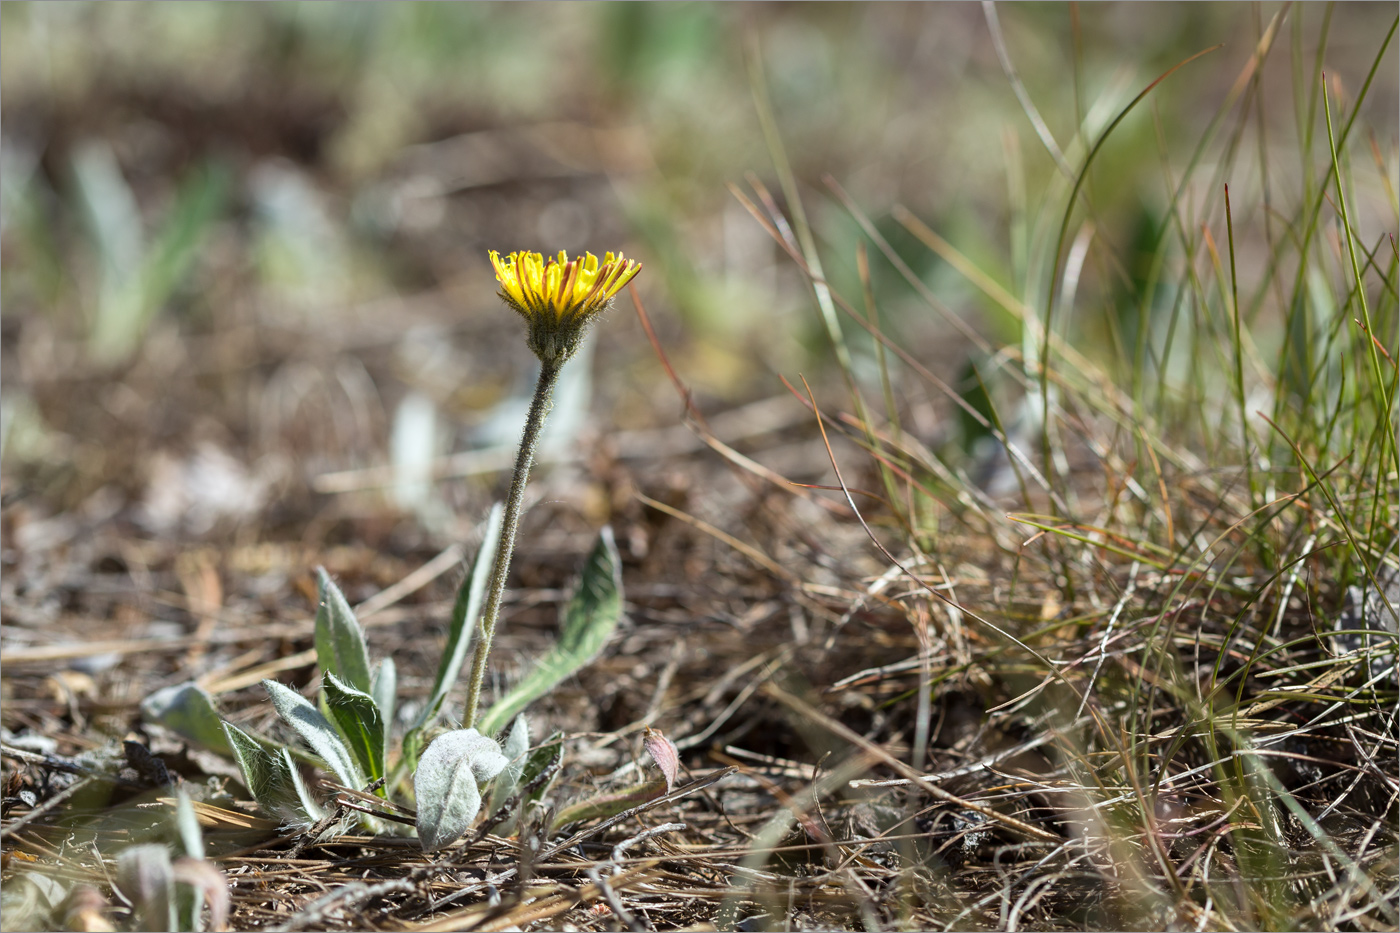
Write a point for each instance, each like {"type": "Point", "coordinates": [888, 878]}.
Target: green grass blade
{"type": "Point", "coordinates": [1371, 350]}
{"type": "Point", "coordinates": [187, 826]}
{"type": "Point", "coordinates": [1070, 204]}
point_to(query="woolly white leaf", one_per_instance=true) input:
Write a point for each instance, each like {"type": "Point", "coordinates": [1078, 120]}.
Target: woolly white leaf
{"type": "Point", "coordinates": [447, 784]}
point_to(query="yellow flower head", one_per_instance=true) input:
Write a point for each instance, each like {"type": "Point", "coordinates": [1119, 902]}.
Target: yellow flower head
{"type": "Point", "coordinates": [560, 297]}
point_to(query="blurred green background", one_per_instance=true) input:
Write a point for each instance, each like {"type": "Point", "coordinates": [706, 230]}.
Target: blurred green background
{"type": "Point", "coordinates": [259, 231]}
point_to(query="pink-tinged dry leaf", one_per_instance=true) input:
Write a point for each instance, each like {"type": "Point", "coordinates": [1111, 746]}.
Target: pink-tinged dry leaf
{"type": "Point", "coordinates": [197, 873]}
{"type": "Point", "coordinates": [663, 752]}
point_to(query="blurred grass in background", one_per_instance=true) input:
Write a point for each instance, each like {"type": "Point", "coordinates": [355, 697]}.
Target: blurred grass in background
{"type": "Point", "coordinates": [310, 190]}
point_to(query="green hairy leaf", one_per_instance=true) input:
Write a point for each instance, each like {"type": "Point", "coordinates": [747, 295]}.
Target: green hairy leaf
{"type": "Point", "coordinates": [318, 732]}
{"type": "Point", "coordinates": [187, 710]}
{"type": "Point", "coordinates": [412, 745]}
{"type": "Point", "coordinates": [273, 779]}
{"type": "Point", "coordinates": [358, 718]}
{"type": "Point", "coordinates": [340, 643]}
{"type": "Point", "coordinates": [588, 622]}
{"type": "Point", "coordinates": [516, 747]}
{"type": "Point", "coordinates": [611, 803]}
{"type": "Point", "coordinates": [448, 784]}
{"type": "Point", "coordinates": [540, 768]}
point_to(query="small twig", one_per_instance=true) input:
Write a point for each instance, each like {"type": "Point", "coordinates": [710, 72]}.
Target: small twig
{"type": "Point", "coordinates": [485, 918]}
{"type": "Point", "coordinates": [985, 763]}
{"type": "Point", "coordinates": [357, 892]}
{"type": "Point", "coordinates": [314, 834]}
{"type": "Point", "coordinates": [365, 797]}
{"type": "Point", "coordinates": [487, 882]}
{"type": "Point", "coordinates": [1108, 634]}
{"type": "Point", "coordinates": [621, 848]}
{"type": "Point", "coordinates": [342, 801]}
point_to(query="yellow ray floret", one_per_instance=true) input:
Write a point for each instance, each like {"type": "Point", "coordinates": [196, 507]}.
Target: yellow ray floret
{"type": "Point", "coordinates": [562, 289]}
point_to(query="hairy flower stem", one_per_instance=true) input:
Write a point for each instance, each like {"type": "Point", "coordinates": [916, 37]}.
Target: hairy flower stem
{"type": "Point", "coordinates": [539, 410]}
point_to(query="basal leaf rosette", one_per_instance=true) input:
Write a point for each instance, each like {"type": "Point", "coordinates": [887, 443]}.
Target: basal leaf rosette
{"type": "Point", "coordinates": [559, 297]}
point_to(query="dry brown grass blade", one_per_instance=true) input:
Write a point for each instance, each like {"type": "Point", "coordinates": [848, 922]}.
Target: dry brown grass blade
{"type": "Point", "coordinates": [221, 818]}
{"type": "Point", "coordinates": [748, 550]}
{"type": "Point", "coordinates": [702, 429]}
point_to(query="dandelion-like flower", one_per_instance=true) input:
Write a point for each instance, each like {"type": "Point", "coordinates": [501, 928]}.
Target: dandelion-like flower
{"type": "Point", "coordinates": [559, 297]}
